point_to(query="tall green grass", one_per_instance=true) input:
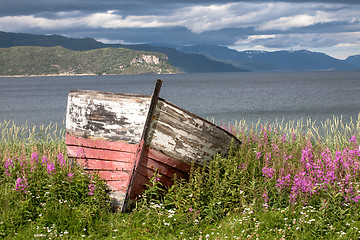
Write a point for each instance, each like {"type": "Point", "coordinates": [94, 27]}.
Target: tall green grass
{"type": "Point", "coordinates": [41, 193]}
{"type": "Point", "coordinates": [288, 180]}
{"type": "Point", "coordinates": [17, 140]}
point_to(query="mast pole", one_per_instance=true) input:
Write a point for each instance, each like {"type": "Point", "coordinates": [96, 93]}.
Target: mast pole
{"type": "Point", "coordinates": [142, 144]}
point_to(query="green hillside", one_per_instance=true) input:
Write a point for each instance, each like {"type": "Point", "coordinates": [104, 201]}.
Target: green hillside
{"type": "Point", "coordinates": [29, 60]}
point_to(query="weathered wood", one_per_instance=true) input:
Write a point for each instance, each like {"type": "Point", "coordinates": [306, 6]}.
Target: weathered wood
{"type": "Point", "coordinates": [124, 136]}
{"type": "Point", "coordinates": [140, 152]}
{"type": "Point", "coordinates": [119, 186]}
{"type": "Point", "coordinates": [113, 161]}
{"type": "Point", "coordinates": [98, 164]}
{"type": "Point", "coordinates": [99, 144]}
{"type": "Point", "coordinates": [182, 135]}
{"type": "Point", "coordinates": [161, 157]}
{"type": "Point", "coordinates": [103, 154]}
{"type": "Point", "coordinates": [106, 116]}
{"type": "Point", "coordinates": [114, 175]}
{"type": "Point", "coordinates": [163, 169]}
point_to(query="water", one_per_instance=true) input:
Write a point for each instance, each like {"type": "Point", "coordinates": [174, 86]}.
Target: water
{"type": "Point", "coordinates": [226, 97]}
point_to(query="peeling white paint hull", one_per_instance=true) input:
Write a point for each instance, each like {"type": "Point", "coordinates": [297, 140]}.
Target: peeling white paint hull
{"type": "Point", "coordinates": [107, 129]}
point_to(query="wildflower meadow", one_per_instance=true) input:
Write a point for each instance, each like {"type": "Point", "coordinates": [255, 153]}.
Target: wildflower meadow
{"type": "Point", "coordinates": [288, 180]}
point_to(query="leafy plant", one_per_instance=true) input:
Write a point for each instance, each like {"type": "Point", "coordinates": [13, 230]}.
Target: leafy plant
{"type": "Point", "coordinates": [290, 180]}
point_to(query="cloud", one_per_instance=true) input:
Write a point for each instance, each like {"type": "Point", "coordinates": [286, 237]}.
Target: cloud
{"type": "Point", "coordinates": [301, 41]}
{"type": "Point", "coordinates": [297, 21]}
{"type": "Point", "coordinates": [34, 7]}
{"type": "Point", "coordinates": [198, 18]}
{"type": "Point", "coordinates": [312, 16]}
{"type": "Point", "coordinates": [19, 23]}
{"type": "Point", "coordinates": [255, 24]}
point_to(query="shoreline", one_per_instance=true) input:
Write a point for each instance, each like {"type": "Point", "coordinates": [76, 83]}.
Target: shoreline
{"type": "Point", "coordinates": [48, 75]}
{"type": "Point", "coordinates": [82, 74]}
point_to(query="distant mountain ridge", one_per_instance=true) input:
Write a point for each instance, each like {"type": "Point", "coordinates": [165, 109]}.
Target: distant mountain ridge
{"type": "Point", "coordinates": [30, 60]}
{"type": "Point", "coordinates": [200, 58]}
{"type": "Point", "coordinates": [354, 60]}
{"type": "Point", "coordinates": [184, 62]}
{"type": "Point", "coordinates": [299, 60]}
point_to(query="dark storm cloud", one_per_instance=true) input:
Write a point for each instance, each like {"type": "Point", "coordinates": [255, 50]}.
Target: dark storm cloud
{"type": "Point", "coordinates": [171, 36]}
{"type": "Point", "coordinates": [25, 7]}
{"type": "Point", "coordinates": [240, 24]}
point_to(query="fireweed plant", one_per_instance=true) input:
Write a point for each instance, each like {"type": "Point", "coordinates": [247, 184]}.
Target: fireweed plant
{"type": "Point", "coordinates": [288, 180]}
{"type": "Point", "coordinates": [285, 181]}
{"type": "Point", "coordinates": [42, 193]}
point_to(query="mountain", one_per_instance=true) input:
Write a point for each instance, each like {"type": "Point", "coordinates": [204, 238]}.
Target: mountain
{"type": "Point", "coordinates": [300, 60]}
{"type": "Point", "coordinates": [184, 62]}
{"type": "Point", "coordinates": [30, 60]}
{"type": "Point", "coordinates": [24, 39]}
{"type": "Point", "coordinates": [354, 60]}
{"type": "Point", "coordinates": [199, 58]}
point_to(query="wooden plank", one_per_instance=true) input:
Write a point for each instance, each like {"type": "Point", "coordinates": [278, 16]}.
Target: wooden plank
{"type": "Point", "coordinates": [99, 144]}
{"type": "Point", "coordinates": [112, 175]}
{"type": "Point", "coordinates": [106, 116]}
{"type": "Point", "coordinates": [158, 156]}
{"type": "Point", "coordinates": [140, 152]}
{"type": "Point", "coordinates": [160, 164]}
{"type": "Point", "coordinates": [116, 185]}
{"type": "Point", "coordinates": [103, 154]}
{"type": "Point", "coordinates": [186, 137]}
{"type": "Point", "coordinates": [142, 180]}
{"type": "Point", "coordinates": [98, 164]}
{"type": "Point", "coordinates": [149, 173]}
{"type": "Point", "coordinates": [137, 191]}
{"type": "Point", "coordinates": [115, 132]}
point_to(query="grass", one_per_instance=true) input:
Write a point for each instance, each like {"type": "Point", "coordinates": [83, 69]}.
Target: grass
{"type": "Point", "coordinates": [288, 180]}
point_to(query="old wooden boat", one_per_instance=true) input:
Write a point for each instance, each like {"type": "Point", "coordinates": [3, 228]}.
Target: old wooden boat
{"type": "Point", "coordinates": [127, 137]}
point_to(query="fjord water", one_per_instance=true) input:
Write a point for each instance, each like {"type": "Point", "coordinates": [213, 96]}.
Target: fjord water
{"type": "Point", "coordinates": [226, 97]}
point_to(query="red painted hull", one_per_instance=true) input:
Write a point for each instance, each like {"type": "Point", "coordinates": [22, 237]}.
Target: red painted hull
{"type": "Point", "coordinates": [126, 138]}
{"type": "Point", "coordinates": [114, 162]}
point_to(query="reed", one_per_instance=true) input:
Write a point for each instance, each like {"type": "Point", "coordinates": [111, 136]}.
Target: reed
{"type": "Point", "coordinates": [17, 140]}
{"type": "Point", "coordinates": [334, 132]}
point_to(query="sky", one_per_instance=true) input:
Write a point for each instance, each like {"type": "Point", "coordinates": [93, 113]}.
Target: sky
{"type": "Point", "coordinates": [328, 26]}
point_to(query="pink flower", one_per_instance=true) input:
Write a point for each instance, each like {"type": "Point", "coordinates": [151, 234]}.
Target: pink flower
{"type": "Point", "coordinates": [50, 168]}
{"type": "Point", "coordinates": [91, 189]}
{"type": "Point", "coordinates": [70, 176]}
{"type": "Point", "coordinates": [22, 162]}
{"type": "Point", "coordinates": [34, 157]}
{"type": "Point", "coordinates": [44, 160]}
{"type": "Point", "coordinates": [61, 159]}
{"type": "Point", "coordinates": [353, 140]}
{"type": "Point", "coordinates": [265, 196]}
{"type": "Point", "coordinates": [268, 172]}
{"type": "Point", "coordinates": [9, 163]}
{"type": "Point", "coordinates": [21, 185]}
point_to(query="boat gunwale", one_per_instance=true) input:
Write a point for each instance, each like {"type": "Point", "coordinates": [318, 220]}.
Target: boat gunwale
{"type": "Point", "coordinates": [161, 99]}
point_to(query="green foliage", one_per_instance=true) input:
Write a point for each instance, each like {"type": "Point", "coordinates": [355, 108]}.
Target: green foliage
{"type": "Point", "coordinates": [41, 190]}
{"type": "Point", "coordinates": [59, 60]}
{"type": "Point", "coordinates": [50, 193]}
{"type": "Point", "coordinates": [245, 195]}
